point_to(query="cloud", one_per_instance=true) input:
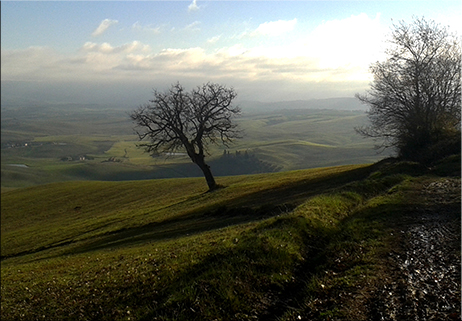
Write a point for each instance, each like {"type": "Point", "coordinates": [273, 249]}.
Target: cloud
{"type": "Point", "coordinates": [127, 79]}
{"type": "Point", "coordinates": [26, 64]}
{"type": "Point", "coordinates": [214, 39]}
{"type": "Point", "coordinates": [274, 28]}
{"type": "Point", "coordinates": [355, 41]}
{"type": "Point", "coordinates": [138, 27]}
{"type": "Point", "coordinates": [106, 48]}
{"type": "Point", "coordinates": [194, 26]}
{"type": "Point", "coordinates": [103, 26]}
{"type": "Point", "coordinates": [330, 61]}
{"type": "Point", "coordinates": [193, 6]}
{"type": "Point", "coordinates": [235, 50]}
{"type": "Point", "coordinates": [247, 69]}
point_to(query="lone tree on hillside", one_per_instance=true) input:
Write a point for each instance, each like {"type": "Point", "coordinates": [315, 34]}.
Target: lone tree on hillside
{"type": "Point", "coordinates": [176, 119]}
{"type": "Point", "coordinates": [415, 98]}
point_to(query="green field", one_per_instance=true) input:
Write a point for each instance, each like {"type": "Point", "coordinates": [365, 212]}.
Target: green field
{"type": "Point", "coordinates": [282, 246]}
{"type": "Point", "coordinates": [67, 143]}
{"type": "Point", "coordinates": [301, 227]}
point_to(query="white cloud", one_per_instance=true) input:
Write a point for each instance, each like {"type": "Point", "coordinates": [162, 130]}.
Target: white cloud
{"type": "Point", "coordinates": [91, 46]}
{"type": "Point", "coordinates": [26, 64]}
{"type": "Point", "coordinates": [193, 6]}
{"type": "Point", "coordinates": [106, 48]}
{"type": "Point", "coordinates": [244, 68]}
{"type": "Point", "coordinates": [194, 26]}
{"type": "Point", "coordinates": [274, 28]}
{"type": "Point", "coordinates": [235, 50]}
{"type": "Point", "coordinates": [214, 39]}
{"type": "Point", "coordinates": [103, 26]}
{"type": "Point", "coordinates": [356, 41]}
{"type": "Point", "coordinates": [148, 28]}
{"type": "Point", "coordinates": [333, 58]}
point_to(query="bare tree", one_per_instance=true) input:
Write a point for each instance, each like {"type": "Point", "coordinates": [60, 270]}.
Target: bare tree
{"type": "Point", "coordinates": [415, 98]}
{"type": "Point", "coordinates": [176, 119]}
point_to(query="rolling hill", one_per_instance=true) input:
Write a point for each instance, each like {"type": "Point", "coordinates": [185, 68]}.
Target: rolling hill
{"type": "Point", "coordinates": [310, 244]}
{"type": "Point", "coordinates": [48, 144]}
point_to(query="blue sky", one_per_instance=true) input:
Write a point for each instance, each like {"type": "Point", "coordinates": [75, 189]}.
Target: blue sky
{"type": "Point", "coordinates": [117, 51]}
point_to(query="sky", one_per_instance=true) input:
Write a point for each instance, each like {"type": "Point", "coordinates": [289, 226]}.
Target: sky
{"type": "Point", "coordinates": [117, 52]}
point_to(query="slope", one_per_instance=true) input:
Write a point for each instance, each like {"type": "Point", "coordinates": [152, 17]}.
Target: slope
{"type": "Point", "coordinates": [311, 244]}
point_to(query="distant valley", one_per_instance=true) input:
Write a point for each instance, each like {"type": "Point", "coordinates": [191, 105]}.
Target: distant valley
{"type": "Point", "coordinates": [61, 142]}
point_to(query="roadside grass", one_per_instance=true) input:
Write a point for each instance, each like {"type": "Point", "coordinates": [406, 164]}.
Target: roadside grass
{"type": "Point", "coordinates": [350, 266]}
{"type": "Point", "coordinates": [313, 254]}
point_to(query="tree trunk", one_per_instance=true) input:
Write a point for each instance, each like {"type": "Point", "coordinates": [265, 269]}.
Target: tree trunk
{"type": "Point", "coordinates": [198, 159]}
{"type": "Point", "coordinates": [207, 173]}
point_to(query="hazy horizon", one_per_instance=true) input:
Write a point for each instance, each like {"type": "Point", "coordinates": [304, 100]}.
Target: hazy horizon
{"type": "Point", "coordinates": [118, 52]}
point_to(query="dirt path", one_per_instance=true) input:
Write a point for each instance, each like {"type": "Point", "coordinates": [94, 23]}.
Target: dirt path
{"type": "Point", "coordinates": [423, 279]}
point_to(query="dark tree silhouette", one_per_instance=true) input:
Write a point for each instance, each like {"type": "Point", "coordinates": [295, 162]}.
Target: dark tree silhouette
{"type": "Point", "coordinates": [415, 98]}
{"type": "Point", "coordinates": [190, 121]}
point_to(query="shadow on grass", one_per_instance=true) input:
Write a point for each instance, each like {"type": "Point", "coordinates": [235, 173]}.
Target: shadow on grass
{"type": "Point", "coordinates": [189, 224]}
{"type": "Point", "coordinates": [249, 208]}
{"type": "Point", "coordinates": [244, 209]}
{"type": "Point", "coordinates": [242, 283]}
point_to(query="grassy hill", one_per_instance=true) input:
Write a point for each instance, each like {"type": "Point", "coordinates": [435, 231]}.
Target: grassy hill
{"type": "Point", "coordinates": [307, 244]}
